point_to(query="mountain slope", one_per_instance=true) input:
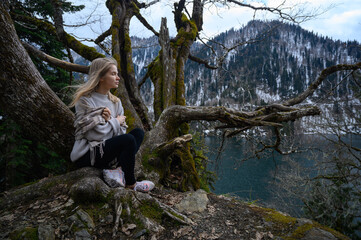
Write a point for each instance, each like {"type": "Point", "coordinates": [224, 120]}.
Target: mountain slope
{"type": "Point", "coordinates": [274, 61]}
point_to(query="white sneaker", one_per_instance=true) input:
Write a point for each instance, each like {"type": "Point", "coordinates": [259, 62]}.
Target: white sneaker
{"type": "Point", "coordinates": [114, 177]}
{"type": "Point", "coordinates": [144, 186]}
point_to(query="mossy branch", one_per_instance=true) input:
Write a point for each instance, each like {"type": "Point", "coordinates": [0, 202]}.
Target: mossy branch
{"type": "Point", "coordinates": [233, 118]}
{"type": "Point", "coordinates": [85, 51]}
{"type": "Point", "coordinates": [54, 61]}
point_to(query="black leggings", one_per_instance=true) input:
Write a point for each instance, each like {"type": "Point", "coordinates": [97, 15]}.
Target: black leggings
{"type": "Point", "coordinates": [123, 147]}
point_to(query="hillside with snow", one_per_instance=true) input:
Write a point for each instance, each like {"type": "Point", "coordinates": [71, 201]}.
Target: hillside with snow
{"type": "Point", "coordinates": [273, 61]}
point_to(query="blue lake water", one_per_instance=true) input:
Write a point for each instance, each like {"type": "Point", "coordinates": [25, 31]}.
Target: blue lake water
{"type": "Point", "coordinates": [248, 180]}
{"type": "Point", "coordinates": [252, 179]}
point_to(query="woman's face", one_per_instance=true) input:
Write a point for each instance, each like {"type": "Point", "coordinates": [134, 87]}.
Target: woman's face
{"type": "Point", "coordinates": [110, 79]}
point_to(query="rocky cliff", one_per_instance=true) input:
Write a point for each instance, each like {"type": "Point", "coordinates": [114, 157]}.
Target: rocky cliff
{"type": "Point", "coordinates": [79, 205]}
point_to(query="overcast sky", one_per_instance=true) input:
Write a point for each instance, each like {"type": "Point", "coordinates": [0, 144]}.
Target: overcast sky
{"type": "Point", "coordinates": [341, 21]}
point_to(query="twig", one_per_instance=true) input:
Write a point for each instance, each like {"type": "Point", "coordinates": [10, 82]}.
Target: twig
{"type": "Point", "coordinates": [118, 212]}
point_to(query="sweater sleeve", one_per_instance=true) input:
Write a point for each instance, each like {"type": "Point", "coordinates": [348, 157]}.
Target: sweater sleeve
{"type": "Point", "coordinates": [102, 131]}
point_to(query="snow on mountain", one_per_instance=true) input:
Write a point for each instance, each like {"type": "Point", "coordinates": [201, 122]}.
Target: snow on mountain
{"type": "Point", "coordinates": [274, 61]}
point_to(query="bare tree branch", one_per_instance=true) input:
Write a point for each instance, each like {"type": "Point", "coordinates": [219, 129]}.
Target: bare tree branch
{"type": "Point", "coordinates": [313, 86]}
{"type": "Point", "coordinates": [140, 84]}
{"type": "Point", "coordinates": [146, 24]}
{"type": "Point", "coordinates": [280, 10]}
{"type": "Point", "coordinates": [227, 50]}
{"type": "Point", "coordinates": [145, 5]}
{"type": "Point", "coordinates": [201, 61]}
{"type": "Point", "coordinates": [103, 36]}
{"type": "Point", "coordinates": [54, 61]}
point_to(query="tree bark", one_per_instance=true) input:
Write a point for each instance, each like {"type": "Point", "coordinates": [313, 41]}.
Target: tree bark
{"type": "Point", "coordinates": [27, 99]}
{"type": "Point", "coordinates": [128, 91]}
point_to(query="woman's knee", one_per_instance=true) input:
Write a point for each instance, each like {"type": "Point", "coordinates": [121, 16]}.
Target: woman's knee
{"type": "Point", "coordinates": [130, 139]}
{"type": "Point", "coordinates": [138, 133]}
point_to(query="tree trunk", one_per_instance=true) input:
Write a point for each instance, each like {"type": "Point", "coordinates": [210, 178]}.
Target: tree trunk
{"type": "Point", "coordinates": [25, 96]}
{"type": "Point", "coordinates": [136, 111]}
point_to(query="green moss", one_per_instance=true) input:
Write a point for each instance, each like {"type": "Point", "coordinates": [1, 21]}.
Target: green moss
{"type": "Point", "coordinates": [116, 56]}
{"type": "Point", "coordinates": [26, 233]}
{"type": "Point", "coordinates": [277, 217]}
{"type": "Point", "coordinates": [300, 232]}
{"type": "Point", "coordinates": [84, 50]}
{"type": "Point", "coordinates": [189, 170]}
{"type": "Point", "coordinates": [155, 71]}
{"type": "Point", "coordinates": [136, 10]}
{"type": "Point", "coordinates": [96, 211]}
{"type": "Point", "coordinates": [130, 119]}
{"type": "Point", "coordinates": [177, 215]}
{"type": "Point", "coordinates": [333, 231]}
{"type": "Point", "coordinates": [183, 36]}
{"type": "Point", "coordinates": [147, 155]}
{"type": "Point", "coordinates": [28, 184]}
{"type": "Point", "coordinates": [115, 20]}
{"type": "Point", "coordinates": [184, 128]}
{"type": "Point", "coordinates": [48, 186]}
{"type": "Point", "coordinates": [281, 224]}
{"type": "Point", "coordinates": [128, 52]}
{"type": "Point", "coordinates": [151, 210]}
{"type": "Point", "coordinates": [285, 224]}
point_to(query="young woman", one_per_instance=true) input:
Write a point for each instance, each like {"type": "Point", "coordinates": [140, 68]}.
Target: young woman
{"type": "Point", "coordinates": [100, 136]}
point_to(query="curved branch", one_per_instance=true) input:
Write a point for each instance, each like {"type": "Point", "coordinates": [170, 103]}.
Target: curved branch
{"type": "Point", "coordinates": [85, 51]}
{"type": "Point", "coordinates": [54, 61]}
{"type": "Point", "coordinates": [297, 17]}
{"type": "Point", "coordinates": [145, 5]}
{"type": "Point", "coordinates": [232, 118]}
{"type": "Point", "coordinates": [313, 86]}
{"type": "Point", "coordinates": [201, 61]}
{"type": "Point", "coordinates": [146, 24]}
{"type": "Point", "coordinates": [103, 36]}
{"type": "Point", "coordinates": [146, 76]}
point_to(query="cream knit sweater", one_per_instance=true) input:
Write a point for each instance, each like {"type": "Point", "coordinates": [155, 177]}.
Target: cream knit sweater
{"type": "Point", "coordinates": [91, 128]}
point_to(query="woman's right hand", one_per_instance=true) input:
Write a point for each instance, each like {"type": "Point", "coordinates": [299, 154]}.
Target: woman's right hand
{"type": "Point", "coordinates": [106, 114]}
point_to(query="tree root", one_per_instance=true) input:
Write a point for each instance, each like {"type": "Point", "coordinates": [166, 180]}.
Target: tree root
{"type": "Point", "coordinates": [118, 212]}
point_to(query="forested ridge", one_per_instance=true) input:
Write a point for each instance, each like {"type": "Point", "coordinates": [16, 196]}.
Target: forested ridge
{"type": "Point", "coordinates": [280, 63]}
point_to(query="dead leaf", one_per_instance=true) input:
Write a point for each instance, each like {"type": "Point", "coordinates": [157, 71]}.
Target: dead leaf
{"type": "Point", "coordinates": [131, 226]}
{"type": "Point", "coordinates": [203, 235]}
{"type": "Point", "coordinates": [8, 217]}
{"type": "Point", "coordinates": [229, 223]}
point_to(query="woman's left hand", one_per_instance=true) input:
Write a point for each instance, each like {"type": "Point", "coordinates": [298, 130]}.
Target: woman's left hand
{"type": "Point", "coordinates": [121, 120]}
{"type": "Point", "coordinates": [106, 114]}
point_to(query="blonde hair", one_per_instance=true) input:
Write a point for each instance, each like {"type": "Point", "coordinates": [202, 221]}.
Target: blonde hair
{"type": "Point", "coordinates": [98, 68]}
